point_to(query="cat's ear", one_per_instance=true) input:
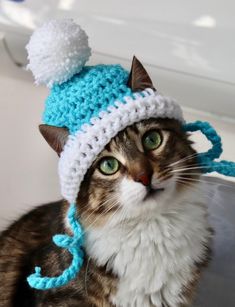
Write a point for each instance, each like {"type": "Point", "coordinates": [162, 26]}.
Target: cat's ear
{"type": "Point", "coordinates": [139, 79]}
{"type": "Point", "coordinates": [56, 137]}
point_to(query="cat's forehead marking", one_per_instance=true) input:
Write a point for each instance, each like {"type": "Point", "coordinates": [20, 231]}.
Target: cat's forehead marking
{"type": "Point", "coordinates": [127, 143]}
{"type": "Point", "coordinates": [120, 147]}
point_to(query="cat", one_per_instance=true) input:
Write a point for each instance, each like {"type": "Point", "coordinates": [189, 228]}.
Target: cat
{"type": "Point", "coordinates": [147, 236]}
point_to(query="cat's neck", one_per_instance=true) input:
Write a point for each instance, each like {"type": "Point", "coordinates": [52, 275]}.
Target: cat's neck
{"type": "Point", "coordinates": [103, 243]}
{"type": "Point", "coordinates": [158, 250]}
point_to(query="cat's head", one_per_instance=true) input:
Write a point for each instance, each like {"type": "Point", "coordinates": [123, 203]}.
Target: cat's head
{"type": "Point", "coordinates": [143, 168]}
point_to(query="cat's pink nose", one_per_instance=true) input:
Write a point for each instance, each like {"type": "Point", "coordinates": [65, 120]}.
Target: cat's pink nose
{"type": "Point", "coordinates": [144, 178]}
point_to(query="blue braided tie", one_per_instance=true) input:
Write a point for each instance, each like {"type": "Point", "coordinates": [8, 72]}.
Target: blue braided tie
{"type": "Point", "coordinates": [74, 246]}
{"type": "Point", "coordinates": [206, 159]}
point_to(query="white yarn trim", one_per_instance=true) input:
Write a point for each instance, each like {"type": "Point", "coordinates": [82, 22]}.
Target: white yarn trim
{"type": "Point", "coordinates": [82, 148]}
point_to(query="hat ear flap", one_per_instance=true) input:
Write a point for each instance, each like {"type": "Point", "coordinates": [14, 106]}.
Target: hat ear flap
{"type": "Point", "coordinates": [56, 137]}
{"type": "Point", "coordinates": [139, 79]}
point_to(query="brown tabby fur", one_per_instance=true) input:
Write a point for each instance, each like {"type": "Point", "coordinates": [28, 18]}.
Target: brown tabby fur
{"type": "Point", "coordinates": [27, 242]}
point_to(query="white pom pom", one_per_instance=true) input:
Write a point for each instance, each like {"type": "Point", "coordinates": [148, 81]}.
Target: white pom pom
{"type": "Point", "coordinates": [57, 51]}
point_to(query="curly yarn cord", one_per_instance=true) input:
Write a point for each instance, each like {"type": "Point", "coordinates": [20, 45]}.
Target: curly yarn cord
{"type": "Point", "coordinates": [74, 246]}
{"type": "Point", "coordinates": [206, 159]}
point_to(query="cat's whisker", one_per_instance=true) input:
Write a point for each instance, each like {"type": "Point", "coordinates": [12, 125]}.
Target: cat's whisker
{"type": "Point", "coordinates": [106, 211]}
{"type": "Point", "coordinates": [199, 175]}
{"type": "Point", "coordinates": [188, 165]}
{"type": "Point", "coordinates": [190, 185]}
{"type": "Point", "coordinates": [205, 191]}
{"type": "Point", "coordinates": [111, 217]}
{"type": "Point", "coordinates": [188, 157]}
{"type": "Point", "coordinates": [100, 216]}
{"type": "Point", "coordinates": [190, 179]}
{"type": "Point", "coordinates": [197, 166]}
{"type": "Point", "coordinates": [188, 168]}
{"type": "Point", "coordinates": [201, 180]}
{"type": "Point", "coordinates": [193, 174]}
{"type": "Point", "coordinates": [108, 200]}
{"type": "Point", "coordinates": [183, 159]}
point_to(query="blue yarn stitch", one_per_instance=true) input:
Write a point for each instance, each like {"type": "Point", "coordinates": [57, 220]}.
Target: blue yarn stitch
{"type": "Point", "coordinates": [74, 246]}
{"type": "Point", "coordinates": [206, 160]}
{"type": "Point", "coordinates": [74, 102]}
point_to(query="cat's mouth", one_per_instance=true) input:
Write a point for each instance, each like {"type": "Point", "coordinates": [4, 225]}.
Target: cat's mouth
{"type": "Point", "coordinates": [153, 192]}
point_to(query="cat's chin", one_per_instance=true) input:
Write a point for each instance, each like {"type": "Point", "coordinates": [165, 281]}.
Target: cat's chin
{"type": "Point", "coordinates": [153, 203]}
{"type": "Point", "coordinates": [157, 198]}
{"type": "Point", "coordinates": [153, 193]}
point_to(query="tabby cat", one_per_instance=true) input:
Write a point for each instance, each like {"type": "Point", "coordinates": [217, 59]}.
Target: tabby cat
{"type": "Point", "coordinates": [146, 229]}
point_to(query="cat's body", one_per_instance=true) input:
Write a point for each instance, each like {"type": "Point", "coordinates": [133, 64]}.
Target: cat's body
{"type": "Point", "coordinates": [146, 229]}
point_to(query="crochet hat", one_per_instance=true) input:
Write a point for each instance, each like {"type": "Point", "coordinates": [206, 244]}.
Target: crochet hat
{"type": "Point", "coordinates": [89, 105]}
{"type": "Point", "coordinates": [93, 102]}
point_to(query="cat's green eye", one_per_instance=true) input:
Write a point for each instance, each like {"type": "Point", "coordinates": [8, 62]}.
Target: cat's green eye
{"type": "Point", "coordinates": [152, 140]}
{"type": "Point", "coordinates": [109, 166]}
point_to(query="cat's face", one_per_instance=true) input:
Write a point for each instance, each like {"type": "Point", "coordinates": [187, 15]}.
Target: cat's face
{"type": "Point", "coordinates": [137, 173]}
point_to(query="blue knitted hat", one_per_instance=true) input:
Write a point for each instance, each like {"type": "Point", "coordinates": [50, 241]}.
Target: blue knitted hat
{"type": "Point", "coordinates": [94, 103]}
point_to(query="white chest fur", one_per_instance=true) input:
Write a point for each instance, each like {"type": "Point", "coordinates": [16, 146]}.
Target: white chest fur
{"type": "Point", "coordinates": [154, 256]}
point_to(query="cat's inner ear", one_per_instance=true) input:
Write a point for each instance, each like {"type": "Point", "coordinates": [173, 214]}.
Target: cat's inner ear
{"type": "Point", "coordinates": [56, 137]}
{"type": "Point", "coordinates": [139, 79]}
